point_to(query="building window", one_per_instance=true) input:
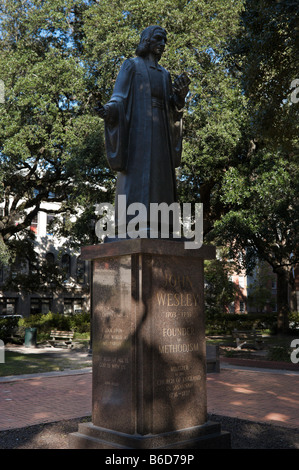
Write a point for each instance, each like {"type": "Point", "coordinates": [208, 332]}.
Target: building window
{"type": "Point", "coordinates": [231, 307]}
{"type": "Point", "coordinates": [34, 307]}
{"type": "Point", "coordinates": [50, 218]}
{"type": "Point", "coordinates": [68, 307]}
{"type": "Point", "coordinates": [45, 306]}
{"type": "Point", "coordinates": [242, 307]}
{"type": "Point", "coordinates": [16, 267]}
{"type": "Point", "coordinates": [40, 306]}
{"type": "Point", "coordinates": [72, 306]}
{"type": "Point", "coordinates": [33, 225]}
{"type": "Point", "coordinates": [8, 306]}
{"type": "Point", "coordinates": [78, 305]}
{"type": "Point", "coordinates": [66, 265]}
{"type": "Point", "coordinates": [242, 282]}
{"type": "Point", "coordinates": [50, 258]}
{"type": "Point", "coordinates": [80, 274]}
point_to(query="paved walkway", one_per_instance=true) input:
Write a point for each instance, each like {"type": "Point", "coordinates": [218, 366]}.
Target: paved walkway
{"type": "Point", "coordinates": [261, 395]}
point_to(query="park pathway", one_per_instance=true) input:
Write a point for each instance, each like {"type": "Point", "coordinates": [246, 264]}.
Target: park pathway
{"type": "Point", "coordinates": [269, 396]}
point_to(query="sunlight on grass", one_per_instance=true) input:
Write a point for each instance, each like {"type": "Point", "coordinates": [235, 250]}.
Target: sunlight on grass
{"type": "Point", "coordinates": [16, 364]}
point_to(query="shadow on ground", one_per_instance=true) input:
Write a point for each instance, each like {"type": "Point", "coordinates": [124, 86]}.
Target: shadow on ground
{"type": "Point", "coordinates": [244, 435]}
{"type": "Point", "coordinates": [251, 435]}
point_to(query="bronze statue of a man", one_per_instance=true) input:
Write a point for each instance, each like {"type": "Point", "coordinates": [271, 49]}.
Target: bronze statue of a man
{"type": "Point", "coordinates": [143, 125]}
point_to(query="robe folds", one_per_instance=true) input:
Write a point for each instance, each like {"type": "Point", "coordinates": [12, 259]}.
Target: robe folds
{"type": "Point", "coordinates": [143, 134]}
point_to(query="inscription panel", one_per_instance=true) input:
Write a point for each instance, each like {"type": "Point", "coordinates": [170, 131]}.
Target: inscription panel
{"type": "Point", "coordinates": [179, 339]}
{"type": "Point", "coordinates": [112, 344]}
{"type": "Point", "coordinates": [148, 344]}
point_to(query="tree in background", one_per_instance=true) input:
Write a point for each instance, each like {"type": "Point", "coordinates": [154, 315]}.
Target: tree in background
{"type": "Point", "coordinates": [261, 191]}
{"type": "Point", "coordinates": [51, 144]}
{"type": "Point", "coordinates": [267, 53]}
{"type": "Point", "coordinates": [263, 220]}
{"type": "Point", "coordinates": [58, 58]}
{"type": "Point", "coordinates": [220, 290]}
{"type": "Point", "coordinates": [260, 289]}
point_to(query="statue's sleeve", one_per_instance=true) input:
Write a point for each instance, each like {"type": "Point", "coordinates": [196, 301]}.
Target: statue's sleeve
{"type": "Point", "coordinates": [117, 118]}
{"type": "Point", "coordinates": [176, 122]}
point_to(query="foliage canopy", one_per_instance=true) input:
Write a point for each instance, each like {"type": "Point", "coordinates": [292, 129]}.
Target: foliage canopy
{"type": "Point", "coordinates": [59, 58]}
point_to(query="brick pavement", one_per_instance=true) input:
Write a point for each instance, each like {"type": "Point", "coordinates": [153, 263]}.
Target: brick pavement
{"type": "Point", "coordinates": [258, 395]}
{"type": "Point", "coordinates": [44, 399]}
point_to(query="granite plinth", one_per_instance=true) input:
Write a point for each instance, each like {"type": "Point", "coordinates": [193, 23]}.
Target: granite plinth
{"type": "Point", "coordinates": [207, 436]}
{"type": "Point", "coordinates": [149, 351]}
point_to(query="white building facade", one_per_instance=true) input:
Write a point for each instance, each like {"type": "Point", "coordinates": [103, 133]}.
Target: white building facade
{"type": "Point", "coordinates": [73, 298]}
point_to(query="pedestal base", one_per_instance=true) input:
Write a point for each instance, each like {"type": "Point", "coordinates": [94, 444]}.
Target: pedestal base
{"type": "Point", "coordinates": [149, 351]}
{"type": "Point", "coordinates": [207, 436]}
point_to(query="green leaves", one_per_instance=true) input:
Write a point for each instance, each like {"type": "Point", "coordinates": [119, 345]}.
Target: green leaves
{"type": "Point", "coordinates": [267, 50]}
{"type": "Point", "coordinates": [51, 143]}
{"type": "Point", "coordinates": [263, 216]}
{"type": "Point", "coordinates": [220, 291]}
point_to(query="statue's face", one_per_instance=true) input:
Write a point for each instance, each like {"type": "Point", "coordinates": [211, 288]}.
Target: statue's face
{"type": "Point", "coordinates": [157, 43]}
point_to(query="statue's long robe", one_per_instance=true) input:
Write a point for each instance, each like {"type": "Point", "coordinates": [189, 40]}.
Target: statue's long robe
{"type": "Point", "coordinates": [143, 134]}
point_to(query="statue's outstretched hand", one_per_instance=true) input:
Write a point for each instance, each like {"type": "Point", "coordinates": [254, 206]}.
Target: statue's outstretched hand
{"type": "Point", "coordinates": [181, 85]}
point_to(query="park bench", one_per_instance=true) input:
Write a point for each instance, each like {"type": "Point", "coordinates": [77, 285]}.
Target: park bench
{"type": "Point", "coordinates": [58, 337]}
{"type": "Point", "coordinates": [248, 337]}
{"type": "Point", "coordinates": [212, 358]}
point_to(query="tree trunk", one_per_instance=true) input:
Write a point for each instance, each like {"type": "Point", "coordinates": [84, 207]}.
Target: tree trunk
{"type": "Point", "coordinates": [282, 301]}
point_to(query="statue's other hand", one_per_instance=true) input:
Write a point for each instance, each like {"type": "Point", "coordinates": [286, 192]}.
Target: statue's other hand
{"type": "Point", "coordinates": [100, 110]}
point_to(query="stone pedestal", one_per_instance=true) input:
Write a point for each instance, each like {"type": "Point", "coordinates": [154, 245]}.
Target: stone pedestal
{"type": "Point", "coordinates": [148, 341]}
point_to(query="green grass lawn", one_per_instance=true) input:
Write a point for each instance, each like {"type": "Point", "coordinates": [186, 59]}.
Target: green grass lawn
{"type": "Point", "coordinates": [19, 364]}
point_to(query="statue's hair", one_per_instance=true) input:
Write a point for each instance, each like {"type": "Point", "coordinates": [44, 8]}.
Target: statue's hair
{"type": "Point", "coordinates": [143, 46]}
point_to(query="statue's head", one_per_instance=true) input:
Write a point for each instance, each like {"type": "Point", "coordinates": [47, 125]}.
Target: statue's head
{"type": "Point", "coordinates": [152, 39]}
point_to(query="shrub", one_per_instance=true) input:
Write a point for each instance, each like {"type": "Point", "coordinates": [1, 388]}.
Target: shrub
{"type": "Point", "coordinates": [45, 323]}
{"type": "Point", "coordinates": [79, 322]}
{"type": "Point", "coordinates": [294, 321]}
{"type": "Point", "coordinates": [279, 353]}
{"type": "Point", "coordinates": [8, 327]}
